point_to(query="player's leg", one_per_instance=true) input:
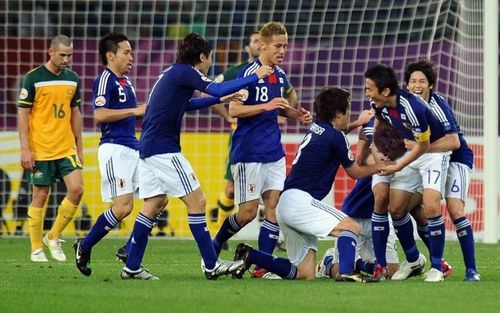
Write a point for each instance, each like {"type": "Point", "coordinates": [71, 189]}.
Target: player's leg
{"type": "Point", "coordinates": [380, 217]}
{"type": "Point", "coordinates": [35, 222]}
{"type": "Point", "coordinates": [225, 202]}
{"type": "Point", "coordinates": [456, 194]}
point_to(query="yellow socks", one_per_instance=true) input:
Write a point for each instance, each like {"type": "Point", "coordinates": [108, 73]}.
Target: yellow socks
{"type": "Point", "coordinates": [35, 227]}
{"type": "Point", "coordinates": [65, 214]}
{"type": "Point", "coordinates": [226, 207]}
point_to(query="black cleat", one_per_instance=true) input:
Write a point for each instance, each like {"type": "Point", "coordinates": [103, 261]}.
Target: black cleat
{"type": "Point", "coordinates": [82, 259]}
{"type": "Point", "coordinates": [241, 253]}
{"type": "Point", "coordinates": [356, 278]}
{"type": "Point", "coordinates": [121, 254]}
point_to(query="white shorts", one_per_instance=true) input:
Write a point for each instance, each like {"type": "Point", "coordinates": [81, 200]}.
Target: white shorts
{"type": "Point", "coordinates": [166, 174]}
{"type": "Point", "coordinates": [377, 179]}
{"type": "Point", "coordinates": [429, 171]}
{"type": "Point", "coordinates": [458, 181]}
{"type": "Point", "coordinates": [303, 220]}
{"type": "Point", "coordinates": [364, 249]}
{"type": "Point", "coordinates": [118, 165]}
{"type": "Point", "coordinates": [251, 180]}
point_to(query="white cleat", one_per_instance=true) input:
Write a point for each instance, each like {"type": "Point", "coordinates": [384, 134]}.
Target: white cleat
{"type": "Point", "coordinates": [141, 274]}
{"type": "Point", "coordinates": [410, 269]}
{"type": "Point", "coordinates": [222, 267]}
{"type": "Point", "coordinates": [433, 276]}
{"type": "Point", "coordinates": [38, 256]}
{"type": "Point", "coordinates": [321, 267]}
{"type": "Point", "coordinates": [55, 248]}
{"type": "Point", "coordinates": [270, 275]}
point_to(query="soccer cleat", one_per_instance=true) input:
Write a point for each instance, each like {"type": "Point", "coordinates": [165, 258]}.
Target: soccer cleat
{"type": "Point", "coordinates": [259, 272]}
{"type": "Point", "coordinates": [381, 272]}
{"type": "Point", "coordinates": [141, 274]}
{"type": "Point", "coordinates": [356, 278]}
{"type": "Point", "coordinates": [222, 268]}
{"type": "Point", "coordinates": [82, 259]}
{"type": "Point", "coordinates": [446, 268]}
{"type": "Point", "coordinates": [55, 248]}
{"type": "Point", "coordinates": [433, 276]}
{"type": "Point", "coordinates": [241, 253]}
{"type": "Point", "coordinates": [269, 275]}
{"type": "Point", "coordinates": [38, 256]}
{"type": "Point", "coordinates": [410, 269]}
{"type": "Point", "coordinates": [121, 254]}
{"type": "Point", "coordinates": [323, 267]}
{"type": "Point", "coordinates": [472, 275]}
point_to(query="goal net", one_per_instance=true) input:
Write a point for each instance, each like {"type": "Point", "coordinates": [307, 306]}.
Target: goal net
{"type": "Point", "coordinates": [330, 43]}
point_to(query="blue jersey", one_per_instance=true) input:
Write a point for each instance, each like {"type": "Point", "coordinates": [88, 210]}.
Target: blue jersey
{"type": "Point", "coordinates": [413, 118]}
{"type": "Point", "coordinates": [360, 201]}
{"type": "Point", "coordinates": [168, 101]}
{"type": "Point", "coordinates": [464, 153]}
{"type": "Point", "coordinates": [318, 158]}
{"type": "Point", "coordinates": [115, 93]}
{"type": "Point", "coordinates": [258, 138]}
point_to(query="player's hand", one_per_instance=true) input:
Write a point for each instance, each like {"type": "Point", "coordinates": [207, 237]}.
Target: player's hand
{"type": "Point", "coordinates": [366, 116]}
{"type": "Point", "coordinates": [264, 71]}
{"type": "Point", "coordinates": [276, 103]}
{"type": "Point", "coordinates": [410, 144]}
{"type": "Point", "coordinates": [390, 169]}
{"type": "Point", "coordinates": [305, 116]}
{"type": "Point", "coordinates": [79, 154]}
{"type": "Point", "coordinates": [27, 160]}
{"type": "Point", "coordinates": [234, 96]}
{"type": "Point", "coordinates": [140, 110]}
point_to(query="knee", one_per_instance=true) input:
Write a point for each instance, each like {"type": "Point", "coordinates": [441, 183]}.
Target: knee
{"type": "Point", "coordinates": [75, 194]}
{"type": "Point", "coordinates": [396, 213]}
{"type": "Point", "coordinates": [122, 211]}
{"type": "Point", "coordinates": [350, 225]}
{"type": "Point", "coordinates": [244, 217]}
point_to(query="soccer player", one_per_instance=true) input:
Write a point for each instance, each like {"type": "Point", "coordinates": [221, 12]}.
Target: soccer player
{"type": "Point", "coordinates": [116, 109]}
{"type": "Point", "coordinates": [420, 78]}
{"type": "Point", "coordinates": [302, 216]}
{"type": "Point", "coordinates": [414, 121]}
{"type": "Point", "coordinates": [50, 132]}
{"type": "Point", "coordinates": [257, 156]}
{"type": "Point", "coordinates": [163, 169]}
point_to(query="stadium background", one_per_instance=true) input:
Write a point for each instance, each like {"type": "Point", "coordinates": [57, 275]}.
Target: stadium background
{"type": "Point", "coordinates": [330, 42]}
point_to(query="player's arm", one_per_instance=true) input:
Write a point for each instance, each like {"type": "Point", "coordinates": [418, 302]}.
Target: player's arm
{"type": "Point", "coordinates": [105, 115]}
{"type": "Point", "coordinates": [363, 149]}
{"type": "Point", "coordinates": [221, 89]}
{"type": "Point", "coordinates": [448, 142]}
{"type": "Point", "coordinates": [238, 109]}
{"type": "Point", "coordinates": [300, 114]}
{"type": "Point", "coordinates": [422, 146]}
{"type": "Point", "coordinates": [203, 102]}
{"type": "Point", "coordinates": [27, 160]}
{"type": "Point", "coordinates": [359, 171]}
{"type": "Point", "coordinates": [363, 118]}
{"type": "Point", "coordinates": [76, 127]}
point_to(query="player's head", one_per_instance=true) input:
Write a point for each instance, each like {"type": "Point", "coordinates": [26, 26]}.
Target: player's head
{"type": "Point", "coordinates": [252, 46]}
{"type": "Point", "coordinates": [116, 53]}
{"type": "Point", "coordinates": [388, 140]}
{"type": "Point", "coordinates": [60, 52]}
{"type": "Point", "coordinates": [333, 104]}
{"type": "Point", "coordinates": [380, 84]}
{"type": "Point", "coordinates": [420, 77]}
{"type": "Point", "coordinates": [273, 43]}
{"type": "Point", "coordinates": [196, 51]}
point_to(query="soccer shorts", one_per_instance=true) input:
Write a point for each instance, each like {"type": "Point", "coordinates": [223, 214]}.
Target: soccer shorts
{"type": "Point", "coordinates": [166, 174]}
{"type": "Point", "coordinates": [46, 173]}
{"type": "Point", "coordinates": [377, 179]}
{"type": "Point", "coordinates": [365, 250]}
{"type": "Point", "coordinates": [251, 180]}
{"type": "Point", "coordinates": [303, 220]}
{"type": "Point", "coordinates": [429, 171]}
{"type": "Point", "coordinates": [458, 181]}
{"type": "Point", "coordinates": [119, 167]}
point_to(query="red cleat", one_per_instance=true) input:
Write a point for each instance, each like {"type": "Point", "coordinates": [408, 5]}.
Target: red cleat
{"type": "Point", "coordinates": [258, 272]}
{"type": "Point", "coordinates": [446, 268]}
{"type": "Point", "coordinates": [380, 272]}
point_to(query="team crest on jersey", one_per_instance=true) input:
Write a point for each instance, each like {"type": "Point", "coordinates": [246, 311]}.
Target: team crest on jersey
{"type": "Point", "coordinates": [121, 183]}
{"type": "Point", "coordinates": [251, 188]}
{"type": "Point", "coordinates": [100, 101]}
{"type": "Point", "coordinates": [244, 95]}
{"type": "Point", "coordinates": [23, 94]}
{"type": "Point", "coordinates": [69, 93]}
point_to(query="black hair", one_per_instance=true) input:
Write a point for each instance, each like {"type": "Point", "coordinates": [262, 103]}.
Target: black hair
{"type": "Point", "coordinates": [330, 101]}
{"type": "Point", "coordinates": [248, 38]}
{"type": "Point", "coordinates": [109, 43]}
{"type": "Point", "coordinates": [424, 66]}
{"type": "Point", "coordinates": [191, 47]}
{"type": "Point", "coordinates": [384, 77]}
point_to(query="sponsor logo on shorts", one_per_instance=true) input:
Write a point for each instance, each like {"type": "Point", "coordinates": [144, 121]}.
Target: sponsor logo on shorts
{"type": "Point", "coordinates": [193, 177]}
{"type": "Point", "coordinates": [23, 94]}
{"type": "Point", "coordinates": [251, 188]}
{"type": "Point", "coordinates": [38, 174]}
{"type": "Point", "coordinates": [100, 101]}
{"type": "Point", "coordinates": [121, 183]}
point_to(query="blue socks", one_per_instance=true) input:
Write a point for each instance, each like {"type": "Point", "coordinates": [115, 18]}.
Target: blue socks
{"type": "Point", "coordinates": [404, 230]}
{"type": "Point", "coordinates": [380, 233]}
{"type": "Point", "coordinates": [105, 222]}
{"type": "Point", "coordinates": [198, 225]}
{"type": "Point", "coordinates": [436, 240]}
{"type": "Point", "coordinates": [466, 238]}
{"type": "Point", "coordinates": [423, 233]}
{"type": "Point", "coordinates": [346, 246]}
{"type": "Point", "coordinates": [280, 266]}
{"type": "Point", "coordinates": [138, 241]}
{"type": "Point", "coordinates": [226, 231]}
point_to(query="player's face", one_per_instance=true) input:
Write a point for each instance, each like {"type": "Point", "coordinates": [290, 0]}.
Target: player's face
{"type": "Point", "coordinates": [121, 62]}
{"type": "Point", "coordinates": [418, 84]}
{"type": "Point", "coordinates": [253, 48]}
{"type": "Point", "coordinates": [60, 56]}
{"type": "Point", "coordinates": [273, 52]}
{"type": "Point", "coordinates": [205, 63]}
{"type": "Point", "coordinates": [372, 92]}
{"type": "Point", "coordinates": [343, 120]}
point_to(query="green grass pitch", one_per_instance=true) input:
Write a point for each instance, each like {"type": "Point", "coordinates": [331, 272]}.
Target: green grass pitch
{"type": "Point", "coordinates": [59, 287]}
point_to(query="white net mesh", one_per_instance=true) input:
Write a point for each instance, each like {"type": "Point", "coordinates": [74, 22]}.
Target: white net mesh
{"type": "Point", "coordinates": [330, 42]}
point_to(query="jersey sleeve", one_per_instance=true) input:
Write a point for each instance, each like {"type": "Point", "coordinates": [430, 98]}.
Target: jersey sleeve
{"type": "Point", "coordinates": [102, 91]}
{"type": "Point", "coordinates": [446, 117]}
{"type": "Point", "coordinates": [419, 124]}
{"type": "Point", "coordinates": [27, 93]}
{"type": "Point", "coordinates": [342, 149]}
{"type": "Point", "coordinates": [194, 78]}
